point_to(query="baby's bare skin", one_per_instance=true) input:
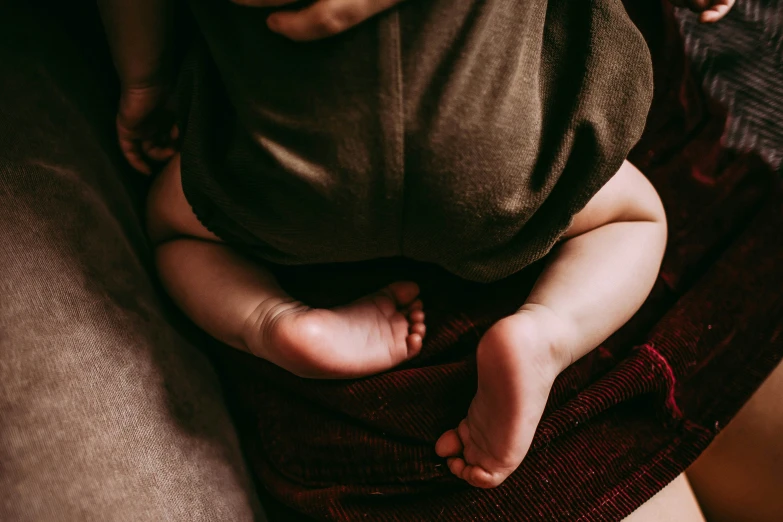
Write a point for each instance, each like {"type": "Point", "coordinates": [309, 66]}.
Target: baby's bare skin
{"type": "Point", "coordinates": [596, 279]}
{"type": "Point", "coordinates": [370, 335]}
{"type": "Point", "coordinates": [241, 304]}
{"type": "Point", "coordinates": [518, 360]}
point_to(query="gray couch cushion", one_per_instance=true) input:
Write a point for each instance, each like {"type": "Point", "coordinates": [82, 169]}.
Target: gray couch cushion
{"type": "Point", "coordinates": [108, 411]}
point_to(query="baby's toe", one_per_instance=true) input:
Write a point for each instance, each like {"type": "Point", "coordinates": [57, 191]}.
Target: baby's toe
{"type": "Point", "coordinates": [479, 477]}
{"type": "Point", "coordinates": [456, 466]}
{"type": "Point", "coordinates": [414, 343]}
{"type": "Point", "coordinates": [416, 306]}
{"type": "Point", "coordinates": [448, 445]}
{"type": "Point", "coordinates": [418, 328]}
{"type": "Point", "coordinates": [403, 292]}
{"type": "Point", "coordinates": [416, 316]}
{"type": "Point", "coordinates": [463, 431]}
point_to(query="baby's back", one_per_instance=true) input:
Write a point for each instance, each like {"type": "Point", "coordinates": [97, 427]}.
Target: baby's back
{"type": "Point", "coordinates": [461, 132]}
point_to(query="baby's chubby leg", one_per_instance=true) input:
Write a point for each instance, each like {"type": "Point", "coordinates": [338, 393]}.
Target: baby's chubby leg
{"type": "Point", "coordinates": [595, 281]}
{"type": "Point", "coordinates": [240, 303]}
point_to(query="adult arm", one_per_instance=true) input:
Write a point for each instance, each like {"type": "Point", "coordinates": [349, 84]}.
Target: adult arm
{"type": "Point", "coordinates": [320, 19]}
{"type": "Point", "coordinates": [711, 10]}
{"type": "Point", "coordinates": [141, 38]}
{"type": "Point", "coordinates": [140, 34]}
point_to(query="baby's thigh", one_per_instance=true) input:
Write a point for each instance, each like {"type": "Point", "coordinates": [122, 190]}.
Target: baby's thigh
{"type": "Point", "coordinates": [168, 212]}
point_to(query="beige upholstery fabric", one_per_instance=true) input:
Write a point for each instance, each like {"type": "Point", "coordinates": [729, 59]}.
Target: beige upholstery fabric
{"type": "Point", "coordinates": [107, 411]}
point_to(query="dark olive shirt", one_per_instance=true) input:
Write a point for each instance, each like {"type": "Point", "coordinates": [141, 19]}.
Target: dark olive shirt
{"type": "Point", "coordinates": [465, 133]}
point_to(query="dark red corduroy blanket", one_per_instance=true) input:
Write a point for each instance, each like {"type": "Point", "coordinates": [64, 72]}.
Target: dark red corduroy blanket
{"type": "Point", "coordinates": [620, 424]}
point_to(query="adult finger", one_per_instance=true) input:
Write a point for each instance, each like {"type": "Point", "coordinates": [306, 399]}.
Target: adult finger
{"type": "Point", "coordinates": [157, 153]}
{"type": "Point", "coordinates": [131, 149]}
{"type": "Point", "coordinates": [132, 153]}
{"type": "Point", "coordinates": [325, 18]}
{"type": "Point", "coordinates": [716, 11]}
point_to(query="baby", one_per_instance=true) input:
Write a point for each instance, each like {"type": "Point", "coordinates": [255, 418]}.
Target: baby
{"type": "Point", "coordinates": [480, 135]}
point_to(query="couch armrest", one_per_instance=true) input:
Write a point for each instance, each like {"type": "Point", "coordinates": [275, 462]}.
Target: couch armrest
{"type": "Point", "coordinates": [109, 411]}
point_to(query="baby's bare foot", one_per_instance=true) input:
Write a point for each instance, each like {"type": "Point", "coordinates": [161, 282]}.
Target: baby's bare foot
{"type": "Point", "coordinates": [518, 360]}
{"type": "Point", "coordinates": [370, 335]}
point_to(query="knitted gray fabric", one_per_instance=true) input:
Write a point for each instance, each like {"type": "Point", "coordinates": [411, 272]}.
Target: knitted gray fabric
{"type": "Point", "coordinates": [460, 132]}
{"type": "Point", "coordinates": [109, 411]}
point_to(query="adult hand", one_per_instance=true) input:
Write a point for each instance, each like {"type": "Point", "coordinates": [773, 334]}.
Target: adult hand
{"type": "Point", "coordinates": [145, 127]}
{"type": "Point", "coordinates": [711, 10]}
{"type": "Point", "coordinates": [320, 19]}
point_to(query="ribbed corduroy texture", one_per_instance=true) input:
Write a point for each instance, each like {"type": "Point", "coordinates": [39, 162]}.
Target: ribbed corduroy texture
{"type": "Point", "coordinates": [741, 62]}
{"type": "Point", "coordinates": [459, 132]}
{"type": "Point", "coordinates": [621, 423]}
